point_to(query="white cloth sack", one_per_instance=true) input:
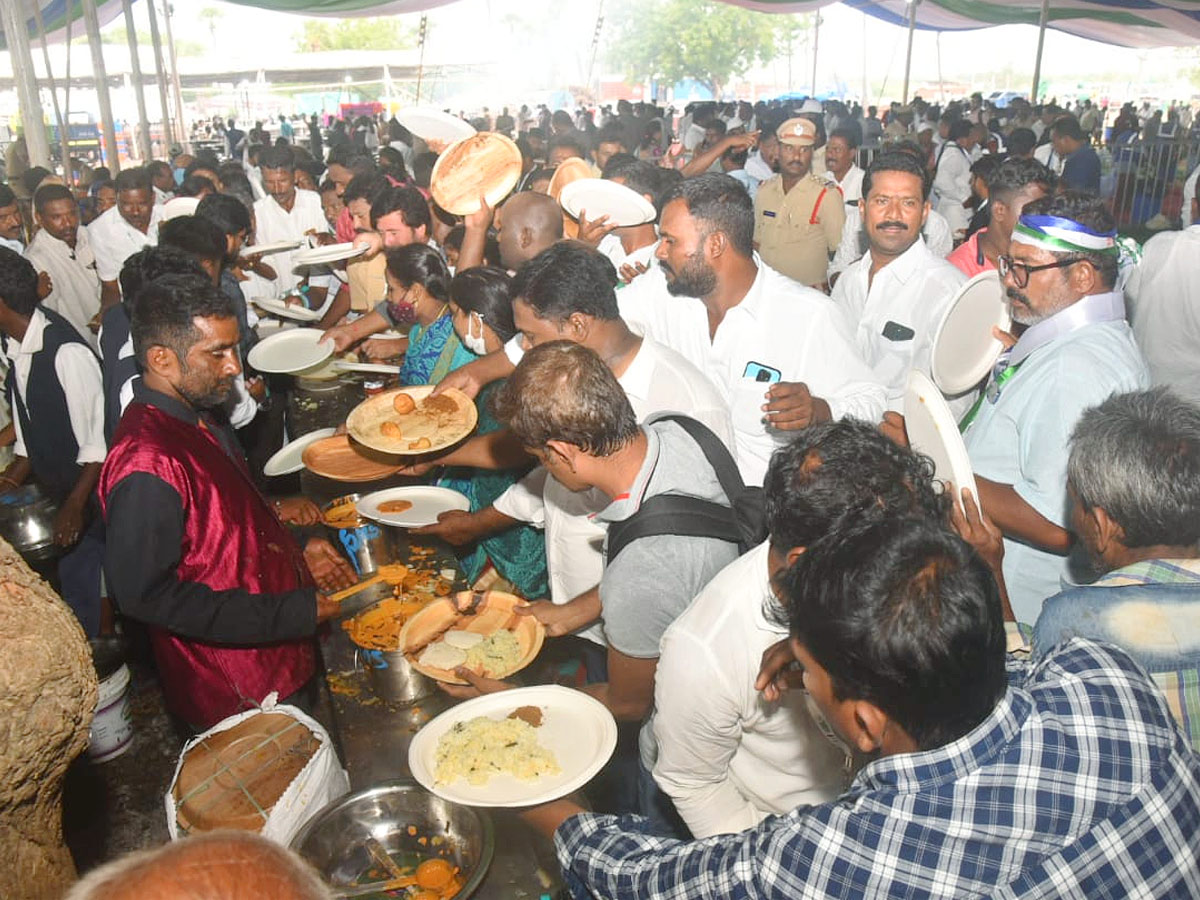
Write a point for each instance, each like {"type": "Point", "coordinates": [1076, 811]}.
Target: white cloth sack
{"type": "Point", "coordinates": [320, 782]}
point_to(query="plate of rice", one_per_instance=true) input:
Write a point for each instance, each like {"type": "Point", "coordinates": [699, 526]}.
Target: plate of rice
{"type": "Point", "coordinates": [514, 748]}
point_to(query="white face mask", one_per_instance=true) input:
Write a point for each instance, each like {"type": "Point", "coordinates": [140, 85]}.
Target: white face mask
{"type": "Point", "coordinates": [473, 343]}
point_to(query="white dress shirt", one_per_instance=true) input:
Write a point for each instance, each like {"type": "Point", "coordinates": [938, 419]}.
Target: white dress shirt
{"type": "Point", "coordinates": [725, 756]}
{"type": "Point", "coordinates": [612, 248]}
{"type": "Point", "coordinates": [936, 233]}
{"type": "Point", "coordinates": [76, 293]}
{"type": "Point", "coordinates": [114, 240]}
{"type": "Point", "coordinates": [757, 167]}
{"type": "Point", "coordinates": [850, 185]}
{"type": "Point", "coordinates": [78, 372]}
{"type": "Point", "coordinates": [952, 185]}
{"type": "Point", "coordinates": [780, 325]}
{"type": "Point", "coordinates": [274, 223]}
{"type": "Point", "coordinates": [1165, 298]}
{"type": "Point", "coordinates": [657, 380]}
{"type": "Point", "coordinates": [906, 299]}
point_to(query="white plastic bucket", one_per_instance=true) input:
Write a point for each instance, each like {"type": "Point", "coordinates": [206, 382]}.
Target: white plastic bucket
{"type": "Point", "coordinates": [112, 727]}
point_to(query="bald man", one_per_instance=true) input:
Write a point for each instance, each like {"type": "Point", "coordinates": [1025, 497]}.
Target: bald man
{"type": "Point", "coordinates": [527, 224]}
{"type": "Point", "coordinates": [232, 865]}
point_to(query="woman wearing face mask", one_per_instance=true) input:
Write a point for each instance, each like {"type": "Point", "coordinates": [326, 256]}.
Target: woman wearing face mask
{"type": "Point", "coordinates": [481, 310]}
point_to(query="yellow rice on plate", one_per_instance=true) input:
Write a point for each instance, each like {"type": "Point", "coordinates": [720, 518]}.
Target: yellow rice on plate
{"type": "Point", "coordinates": [480, 748]}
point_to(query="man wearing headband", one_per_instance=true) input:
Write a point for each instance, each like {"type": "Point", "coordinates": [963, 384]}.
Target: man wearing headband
{"type": "Point", "coordinates": [1076, 350]}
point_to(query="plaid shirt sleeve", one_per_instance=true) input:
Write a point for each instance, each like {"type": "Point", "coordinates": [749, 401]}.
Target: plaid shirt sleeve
{"type": "Point", "coordinates": [1079, 785]}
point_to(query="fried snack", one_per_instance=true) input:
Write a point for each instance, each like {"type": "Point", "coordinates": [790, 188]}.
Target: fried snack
{"type": "Point", "coordinates": [403, 404]}
{"type": "Point", "coordinates": [344, 515]}
{"type": "Point", "coordinates": [391, 430]}
{"type": "Point", "coordinates": [395, 506]}
{"type": "Point", "coordinates": [420, 444]}
{"type": "Point", "coordinates": [439, 405]}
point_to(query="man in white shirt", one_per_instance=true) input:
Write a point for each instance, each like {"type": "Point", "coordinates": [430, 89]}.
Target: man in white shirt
{"type": "Point", "coordinates": [896, 295]}
{"type": "Point", "coordinates": [782, 355]}
{"type": "Point", "coordinates": [12, 224]}
{"type": "Point", "coordinates": [1164, 293]}
{"type": "Point", "coordinates": [567, 293]}
{"type": "Point", "coordinates": [841, 149]}
{"type": "Point", "coordinates": [288, 213]}
{"type": "Point", "coordinates": [1077, 349]}
{"type": "Point", "coordinates": [763, 164]}
{"type": "Point", "coordinates": [61, 249]}
{"type": "Point", "coordinates": [631, 245]}
{"type": "Point", "coordinates": [122, 231]}
{"type": "Point", "coordinates": [727, 756]}
{"type": "Point", "coordinates": [53, 387]}
{"type": "Point", "coordinates": [952, 183]}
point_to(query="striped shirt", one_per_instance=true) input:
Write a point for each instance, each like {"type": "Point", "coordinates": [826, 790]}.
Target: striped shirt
{"type": "Point", "coordinates": [1078, 785]}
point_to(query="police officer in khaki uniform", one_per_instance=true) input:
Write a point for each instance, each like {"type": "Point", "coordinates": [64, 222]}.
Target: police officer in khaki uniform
{"type": "Point", "coordinates": [798, 216]}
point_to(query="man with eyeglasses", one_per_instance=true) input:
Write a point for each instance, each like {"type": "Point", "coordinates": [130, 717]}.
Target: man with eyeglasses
{"type": "Point", "coordinates": [1076, 350]}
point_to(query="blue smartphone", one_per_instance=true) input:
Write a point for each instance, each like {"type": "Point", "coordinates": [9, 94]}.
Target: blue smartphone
{"type": "Point", "coordinates": [760, 373]}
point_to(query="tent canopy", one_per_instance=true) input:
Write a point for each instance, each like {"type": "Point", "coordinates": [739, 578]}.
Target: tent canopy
{"type": "Point", "coordinates": [1126, 23]}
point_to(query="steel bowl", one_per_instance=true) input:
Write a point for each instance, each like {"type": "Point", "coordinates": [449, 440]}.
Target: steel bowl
{"type": "Point", "coordinates": [335, 841]}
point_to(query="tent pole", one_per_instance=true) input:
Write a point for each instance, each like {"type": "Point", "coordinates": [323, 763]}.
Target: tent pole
{"type": "Point", "coordinates": [184, 135]}
{"type": "Point", "coordinates": [912, 26]}
{"type": "Point", "coordinates": [865, 87]}
{"type": "Point", "coordinates": [1037, 64]}
{"type": "Point", "coordinates": [816, 44]}
{"type": "Point", "coordinates": [63, 142]}
{"type": "Point", "coordinates": [100, 76]}
{"type": "Point", "coordinates": [27, 93]}
{"type": "Point", "coordinates": [160, 71]}
{"type": "Point", "coordinates": [135, 65]}
{"type": "Point", "coordinates": [421, 63]}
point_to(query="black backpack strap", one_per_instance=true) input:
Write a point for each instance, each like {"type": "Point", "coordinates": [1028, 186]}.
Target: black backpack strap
{"type": "Point", "coordinates": [715, 452]}
{"type": "Point", "coordinates": [675, 515]}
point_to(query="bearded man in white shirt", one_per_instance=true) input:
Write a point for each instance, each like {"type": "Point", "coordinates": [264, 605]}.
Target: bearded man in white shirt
{"type": "Point", "coordinates": [288, 213]}
{"type": "Point", "coordinates": [124, 230]}
{"type": "Point", "coordinates": [896, 295]}
{"type": "Point", "coordinates": [62, 250]}
{"type": "Point", "coordinates": [726, 755]}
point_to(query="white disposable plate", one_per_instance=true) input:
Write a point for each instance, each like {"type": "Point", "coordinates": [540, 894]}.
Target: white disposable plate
{"type": "Point", "coordinates": [290, 351]}
{"type": "Point", "coordinates": [427, 502]}
{"type": "Point", "coordinates": [597, 197]}
{"type": "Point", "coordinates": [287, 311]}
{"type": "Point", "coordinates": [287, 459]}
{"type": "Point", "coordinates": [345, 365]}
{"type": "Point", "coordinates": [964, 350]}
{"type": "Point", "coordinates": [429, 122]}
{"type": "Point", "coordinates": [273, 247]}
{"type": "Point", "coordinates": [578, 729]}
{"type": "Point", "coordinates": [327, 254]}
{"type": "Point", "coordinates": [933, 431]}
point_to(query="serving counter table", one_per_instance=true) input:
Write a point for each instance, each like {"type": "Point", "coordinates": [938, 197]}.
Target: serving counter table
{"type": "Point", "coordinates": [373, 739]}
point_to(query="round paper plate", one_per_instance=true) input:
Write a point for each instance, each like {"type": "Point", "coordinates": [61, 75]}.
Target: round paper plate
{"type": "Point", "coordinates": [287, 310]}
{"type": "Point", "coordinates": [434, 424]}
{"type": "Point", "coordinates": [933, 431]}
{"type": "Point", "coordinates": [290, 457]}
{"type": "Point", "coordinates": [426, 502]}
{"type": "Point", "coordinates": [273, 247]}
{"type": "Point", "coordinates": [341, 459]}
{"type": "Point", "coordinates": [495, 612]}
{"type": "Point", "coordinates": [964, 350]}
{"type": "Point", "coordinates": [578, 729]}
{"type": "Point", "coordinates": [570, 170]}
{"type": "Point", "coordinates": [327, 254]}
{"type": "Point", "coordinates": [597, 197]}
{"type": "Point", "coordinates": [349, 365]}
{"type": "Point", "coordinates": [486, 164]}
{"type": "Point", "coordinates": [290, 351]}
{"type": "Point", "coordinates": [428, 122]}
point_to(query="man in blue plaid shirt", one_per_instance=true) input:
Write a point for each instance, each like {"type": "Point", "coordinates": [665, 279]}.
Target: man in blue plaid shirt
{"type": "Point", "coordinates": [1068, 779]}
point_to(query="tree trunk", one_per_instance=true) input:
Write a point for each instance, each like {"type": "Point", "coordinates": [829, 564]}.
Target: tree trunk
{"type": "Point", "coordinates": [48, 695]}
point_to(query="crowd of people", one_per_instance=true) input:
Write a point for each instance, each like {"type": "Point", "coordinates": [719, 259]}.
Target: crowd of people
{"type": "Point", "coordinates": [839, 679]}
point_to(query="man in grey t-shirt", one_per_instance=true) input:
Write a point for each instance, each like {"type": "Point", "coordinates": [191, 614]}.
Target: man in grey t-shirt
{"type": "Point", "coordinates": [567, 409]}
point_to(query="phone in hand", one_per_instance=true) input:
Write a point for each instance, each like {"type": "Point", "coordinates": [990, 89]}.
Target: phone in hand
{"type": "Point", "coordinates": [762, 374]}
